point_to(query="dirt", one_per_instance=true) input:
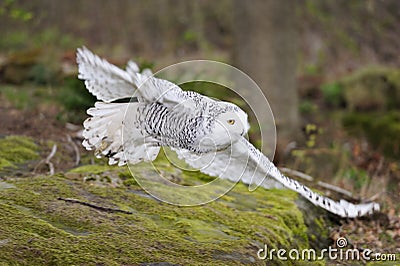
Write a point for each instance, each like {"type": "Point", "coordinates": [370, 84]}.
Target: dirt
{"type": "Point", "coordinates": [44, 128]}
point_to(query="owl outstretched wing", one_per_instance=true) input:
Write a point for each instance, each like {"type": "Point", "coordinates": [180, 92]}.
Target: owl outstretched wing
{"type": "Point", "coordinates": [104, 80]}
{"type": "Point", "coordinates": [109, 83]}
{"type": "Point", "coordinates": [243, 162]}
{"type": "Point", "coordinates": [103, 130]}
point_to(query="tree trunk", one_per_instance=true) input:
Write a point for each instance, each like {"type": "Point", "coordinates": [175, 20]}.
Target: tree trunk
{"type": "Point", "coordinates": [265, 48]}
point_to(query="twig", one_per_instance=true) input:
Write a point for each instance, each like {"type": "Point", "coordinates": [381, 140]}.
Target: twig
{"type": "Point", "coordinates": [77, 154]}
{"type": "Point", "coordinates": [100, 208]}
{"type": "Point", "coordinates": [72, 127]}
{"type": "Point", "coordinates": [296, 173]}
{"type": "Point", "coordinates": [376, 196]}
{"type": "Point", "coordinates": [336, 189]}
{"type": "Point", "coordinates": [48, 158]}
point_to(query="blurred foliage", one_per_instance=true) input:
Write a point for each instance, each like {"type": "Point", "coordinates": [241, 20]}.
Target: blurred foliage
{"type": "Point", "coordinates": [74, 95]}
{"type": "Point", "coordinates": [10, 9]}
{"type": "Point", "coordinates": [311, 69]}
{"type": "Point", "coordinates": [32, 65]}
{"type": "Point", "coordinates": [40, 74]}
{"type": "Point", "coordinates": [370, 88]}
{"type": "Point", "coordinates": [18, 98]}
{"type": "Point", "coordinates": [373, 88]}
{"type": "Point", "coordinates": [171, 28]}
{"type": "Point", "coordinates": [359, 177]}
{"type": "Point", "coordinates": [75, 99]}
{"type": "Point", "coordinates": [307, 107]}
{"type": "Point", "coordinates": [49, 37]}
{"type": "Point", "coordinates": [382, 130]}
{"type": "Point", "coordinates": [328, 36]}
{"type": "Point", "coordinates": [333, 94]}
{"type": "Point", "coordinates": [211, 89]}
{"type": "Point", "coordinates": [312, 131]}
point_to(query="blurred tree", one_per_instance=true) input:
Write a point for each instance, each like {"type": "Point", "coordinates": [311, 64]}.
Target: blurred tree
{"type": "Point", "coordinates": [265, 47]}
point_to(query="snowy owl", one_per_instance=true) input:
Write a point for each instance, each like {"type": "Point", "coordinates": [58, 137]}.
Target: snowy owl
{"type": "Point", "coordinates": [206, 133]}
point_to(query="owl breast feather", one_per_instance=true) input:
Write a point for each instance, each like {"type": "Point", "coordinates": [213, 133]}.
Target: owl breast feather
{"type": "Point", "coordinates": [176, 129]}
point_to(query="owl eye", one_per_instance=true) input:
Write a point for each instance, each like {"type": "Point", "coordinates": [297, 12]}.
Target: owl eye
{"type": "Point", "coordinates": [231, 121]}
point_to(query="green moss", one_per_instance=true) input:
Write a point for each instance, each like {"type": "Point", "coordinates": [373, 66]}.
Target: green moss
{"type": "Point", "coordinates": [227, 231]}
{"type": "Point", "coordinates": [127, 179]}
{"type": "Point", "coordinates": [321, 225]}
{"type": "Point", "coordinates": [223, 232]}
{"type": "Point", "coordinates": [17, 149]}
{"type": "Point", "coordinates": [5, 163]}
{"type": "Point", "coordinates": [92, 168]}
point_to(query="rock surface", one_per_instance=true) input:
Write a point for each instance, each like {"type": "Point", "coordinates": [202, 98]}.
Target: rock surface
{"type": "Point", "coordinates": [39, 226]}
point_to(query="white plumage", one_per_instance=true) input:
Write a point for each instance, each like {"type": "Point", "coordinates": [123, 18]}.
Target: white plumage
{"type": "Point", "coordinates": [207, 134]}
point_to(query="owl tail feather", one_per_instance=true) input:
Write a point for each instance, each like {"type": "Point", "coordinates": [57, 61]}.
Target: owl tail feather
{"type": "Point", "coordinates": [110, 135]}
{"type": "Point", "coordinates": [342, 208]}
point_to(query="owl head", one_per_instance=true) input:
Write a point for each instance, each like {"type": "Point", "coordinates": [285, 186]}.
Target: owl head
{"type": "Point", "coordinates": [228, 126]}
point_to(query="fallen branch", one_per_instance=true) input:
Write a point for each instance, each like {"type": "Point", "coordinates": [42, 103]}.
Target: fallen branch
{"type": "Point", "coordinates": [296, 173]}
{"type": "Point", "coordinates": [100, 208]}
{"type": "Point", "coordinates": [336, 189]}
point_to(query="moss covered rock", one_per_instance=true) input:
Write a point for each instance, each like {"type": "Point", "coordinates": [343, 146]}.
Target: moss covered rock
{"type": "Point", "coordinates": [16, 69]}
{"type": "Point", "coordinates": [39, 228]}
{"type": "Point", "coordinates": [16, 150]}
{"type": "Point", "coordinates": [372, 88]}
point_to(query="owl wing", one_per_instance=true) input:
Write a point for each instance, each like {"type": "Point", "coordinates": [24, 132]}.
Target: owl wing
{"type": "Point", "coordinates": [109, 83]}
{"type": "Point", "coordinates": [243, 162]}
{"type": "Point", "coordinates": [104, 80]}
